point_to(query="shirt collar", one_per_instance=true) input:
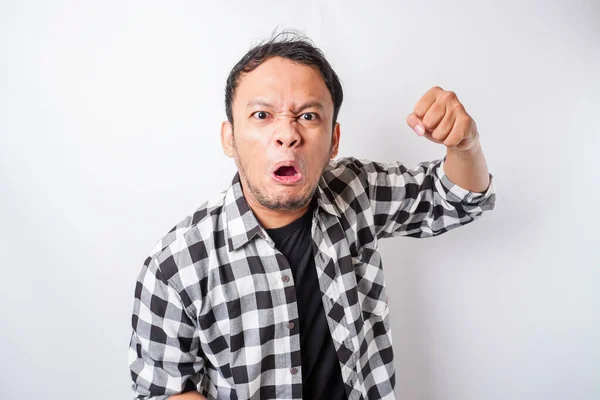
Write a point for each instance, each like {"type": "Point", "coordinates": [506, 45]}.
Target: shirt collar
{"type": "Point", "coordinates": [242, 224]}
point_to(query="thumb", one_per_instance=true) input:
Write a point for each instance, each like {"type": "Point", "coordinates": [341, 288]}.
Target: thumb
{"type": "Point", "coordinates": [415, 123]}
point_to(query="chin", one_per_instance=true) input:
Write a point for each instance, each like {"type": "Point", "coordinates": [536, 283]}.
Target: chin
{"type": "Point", "coordinates": [292, 200]}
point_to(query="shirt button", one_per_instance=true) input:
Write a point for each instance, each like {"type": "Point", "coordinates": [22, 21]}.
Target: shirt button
{"type": "Point", "coordinates": [285, 278]}
{"type": "Point", "coordinates": [291, 325]}
{"type": "Point", "coordinates": [294, 371]}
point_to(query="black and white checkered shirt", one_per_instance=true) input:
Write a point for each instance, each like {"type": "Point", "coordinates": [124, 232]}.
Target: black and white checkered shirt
{"type": "Point", "coordinates": [215, 306]}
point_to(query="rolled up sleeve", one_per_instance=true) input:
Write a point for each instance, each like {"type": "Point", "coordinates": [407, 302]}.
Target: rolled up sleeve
{"type": "Point", "coordinates": [419, 202]}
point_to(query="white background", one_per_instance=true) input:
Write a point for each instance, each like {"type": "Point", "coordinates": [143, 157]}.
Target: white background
{"type": "Point", "coordinates": [109, 135]}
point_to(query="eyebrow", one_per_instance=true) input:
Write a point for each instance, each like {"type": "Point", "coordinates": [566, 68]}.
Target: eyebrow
{"type": "Point", "coordinates": [304, 106]}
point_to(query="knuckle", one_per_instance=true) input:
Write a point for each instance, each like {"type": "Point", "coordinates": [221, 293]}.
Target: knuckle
{"type": "Point", "coordinates": [450, 95]}
{"type": "Point", "coordinates": [458, 107]}
{"type": "Point", "coordinates": [464, 119]}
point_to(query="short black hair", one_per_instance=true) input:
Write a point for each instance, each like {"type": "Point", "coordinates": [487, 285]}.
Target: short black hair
{"type": "Point", "coordinates": [294, 46]}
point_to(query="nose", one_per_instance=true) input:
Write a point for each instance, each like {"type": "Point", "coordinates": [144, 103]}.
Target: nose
{"type": "Point", "coordinates": [287, 135]}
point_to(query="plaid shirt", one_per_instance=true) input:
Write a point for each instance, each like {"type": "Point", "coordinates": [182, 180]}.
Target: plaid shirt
{"type": "Point", "coordinates": [215, 306]}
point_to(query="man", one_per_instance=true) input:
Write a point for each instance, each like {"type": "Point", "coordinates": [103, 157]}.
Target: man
{"type": "Point", "coordinates": [274, 288]}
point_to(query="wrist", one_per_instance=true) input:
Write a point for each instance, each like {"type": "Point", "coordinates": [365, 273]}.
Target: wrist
{"type": "Point", "coordinates": [471, 149]}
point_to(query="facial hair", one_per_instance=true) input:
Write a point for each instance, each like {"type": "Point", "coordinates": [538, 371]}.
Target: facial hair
{"type": "Point", "coordinates": [277, 204]}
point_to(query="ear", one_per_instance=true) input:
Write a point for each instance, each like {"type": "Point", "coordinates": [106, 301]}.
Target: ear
{"type": "Point", "coordinates": [227, 138]}
{"type": "Point", "coordinates": [335, 140]}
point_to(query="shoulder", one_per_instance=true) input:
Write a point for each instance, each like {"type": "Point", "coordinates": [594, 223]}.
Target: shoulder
{"type": "Point", "coordinates": [350, 172]}
{"type": "Point", "coordinates": [191, 234]}
{"type": "Point", "coordinates": [352, 167]}
{"type": "Point", "coordinates": [345, 168]}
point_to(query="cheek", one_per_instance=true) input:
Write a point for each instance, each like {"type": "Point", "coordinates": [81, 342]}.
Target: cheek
{"type": "Point", "coordinates": [324, 149]}
{"type": "Point", "coordinates": [253, 157]}
{"type": "Point", "coordinates": [317, 163]}
{"type": "Point", "coordinates": [255, 143]}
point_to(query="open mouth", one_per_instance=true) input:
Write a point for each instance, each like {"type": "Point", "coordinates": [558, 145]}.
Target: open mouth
{"type": "Point", "coordinates": [287, 173]}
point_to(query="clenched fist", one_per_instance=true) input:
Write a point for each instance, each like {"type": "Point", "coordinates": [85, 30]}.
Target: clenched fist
{"type": "Point", "coordinates": [441, 118]}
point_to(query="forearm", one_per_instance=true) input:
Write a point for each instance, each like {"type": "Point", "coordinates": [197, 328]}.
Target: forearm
{"type": "Point", "coordinates": [188, 396]}
{"type": "Point", "coordinates": [467, 169]}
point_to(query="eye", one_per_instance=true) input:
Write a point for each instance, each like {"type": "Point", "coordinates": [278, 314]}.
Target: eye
{"type": "Point", "coordinates": [261, 114]}
{"type": "Point", "coordinates": [311, 116]}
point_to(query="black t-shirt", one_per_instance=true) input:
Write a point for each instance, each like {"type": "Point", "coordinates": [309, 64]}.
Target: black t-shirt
{"type": "Point", "coordinates": [321, 375]}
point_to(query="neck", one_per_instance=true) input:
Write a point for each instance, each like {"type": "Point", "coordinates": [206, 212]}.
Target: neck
{"type": "Point", "coordinates": [271, 219]}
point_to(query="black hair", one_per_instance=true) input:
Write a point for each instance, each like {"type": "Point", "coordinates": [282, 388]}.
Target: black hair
{"type": "Point", "coordinates": [294, 46]}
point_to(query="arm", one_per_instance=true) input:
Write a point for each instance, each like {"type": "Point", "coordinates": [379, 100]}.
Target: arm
{"type": "Point", "coordinates": [440, 117]}
{"type": "Point", "coordinates": [439, 195]}
{"type": "Point", "coordinates": [164, 350]}
{"type": "Point", "coordinates": [418, 202]}
{"type": "Point", "coordinates": [468, 169]}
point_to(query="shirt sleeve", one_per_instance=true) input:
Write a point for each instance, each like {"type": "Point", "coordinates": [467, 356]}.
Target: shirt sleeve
{"type": "Point", "coordinates": [420, 202]}
{"type": "Point", "coordinates": [164, 351]}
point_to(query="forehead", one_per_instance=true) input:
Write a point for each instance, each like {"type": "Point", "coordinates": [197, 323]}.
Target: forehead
{"type": "Point", "coordinates": [282, 82]}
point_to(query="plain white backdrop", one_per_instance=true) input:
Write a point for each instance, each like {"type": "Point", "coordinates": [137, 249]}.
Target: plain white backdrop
{"type": "Point", "coordinates": [109, 135]}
